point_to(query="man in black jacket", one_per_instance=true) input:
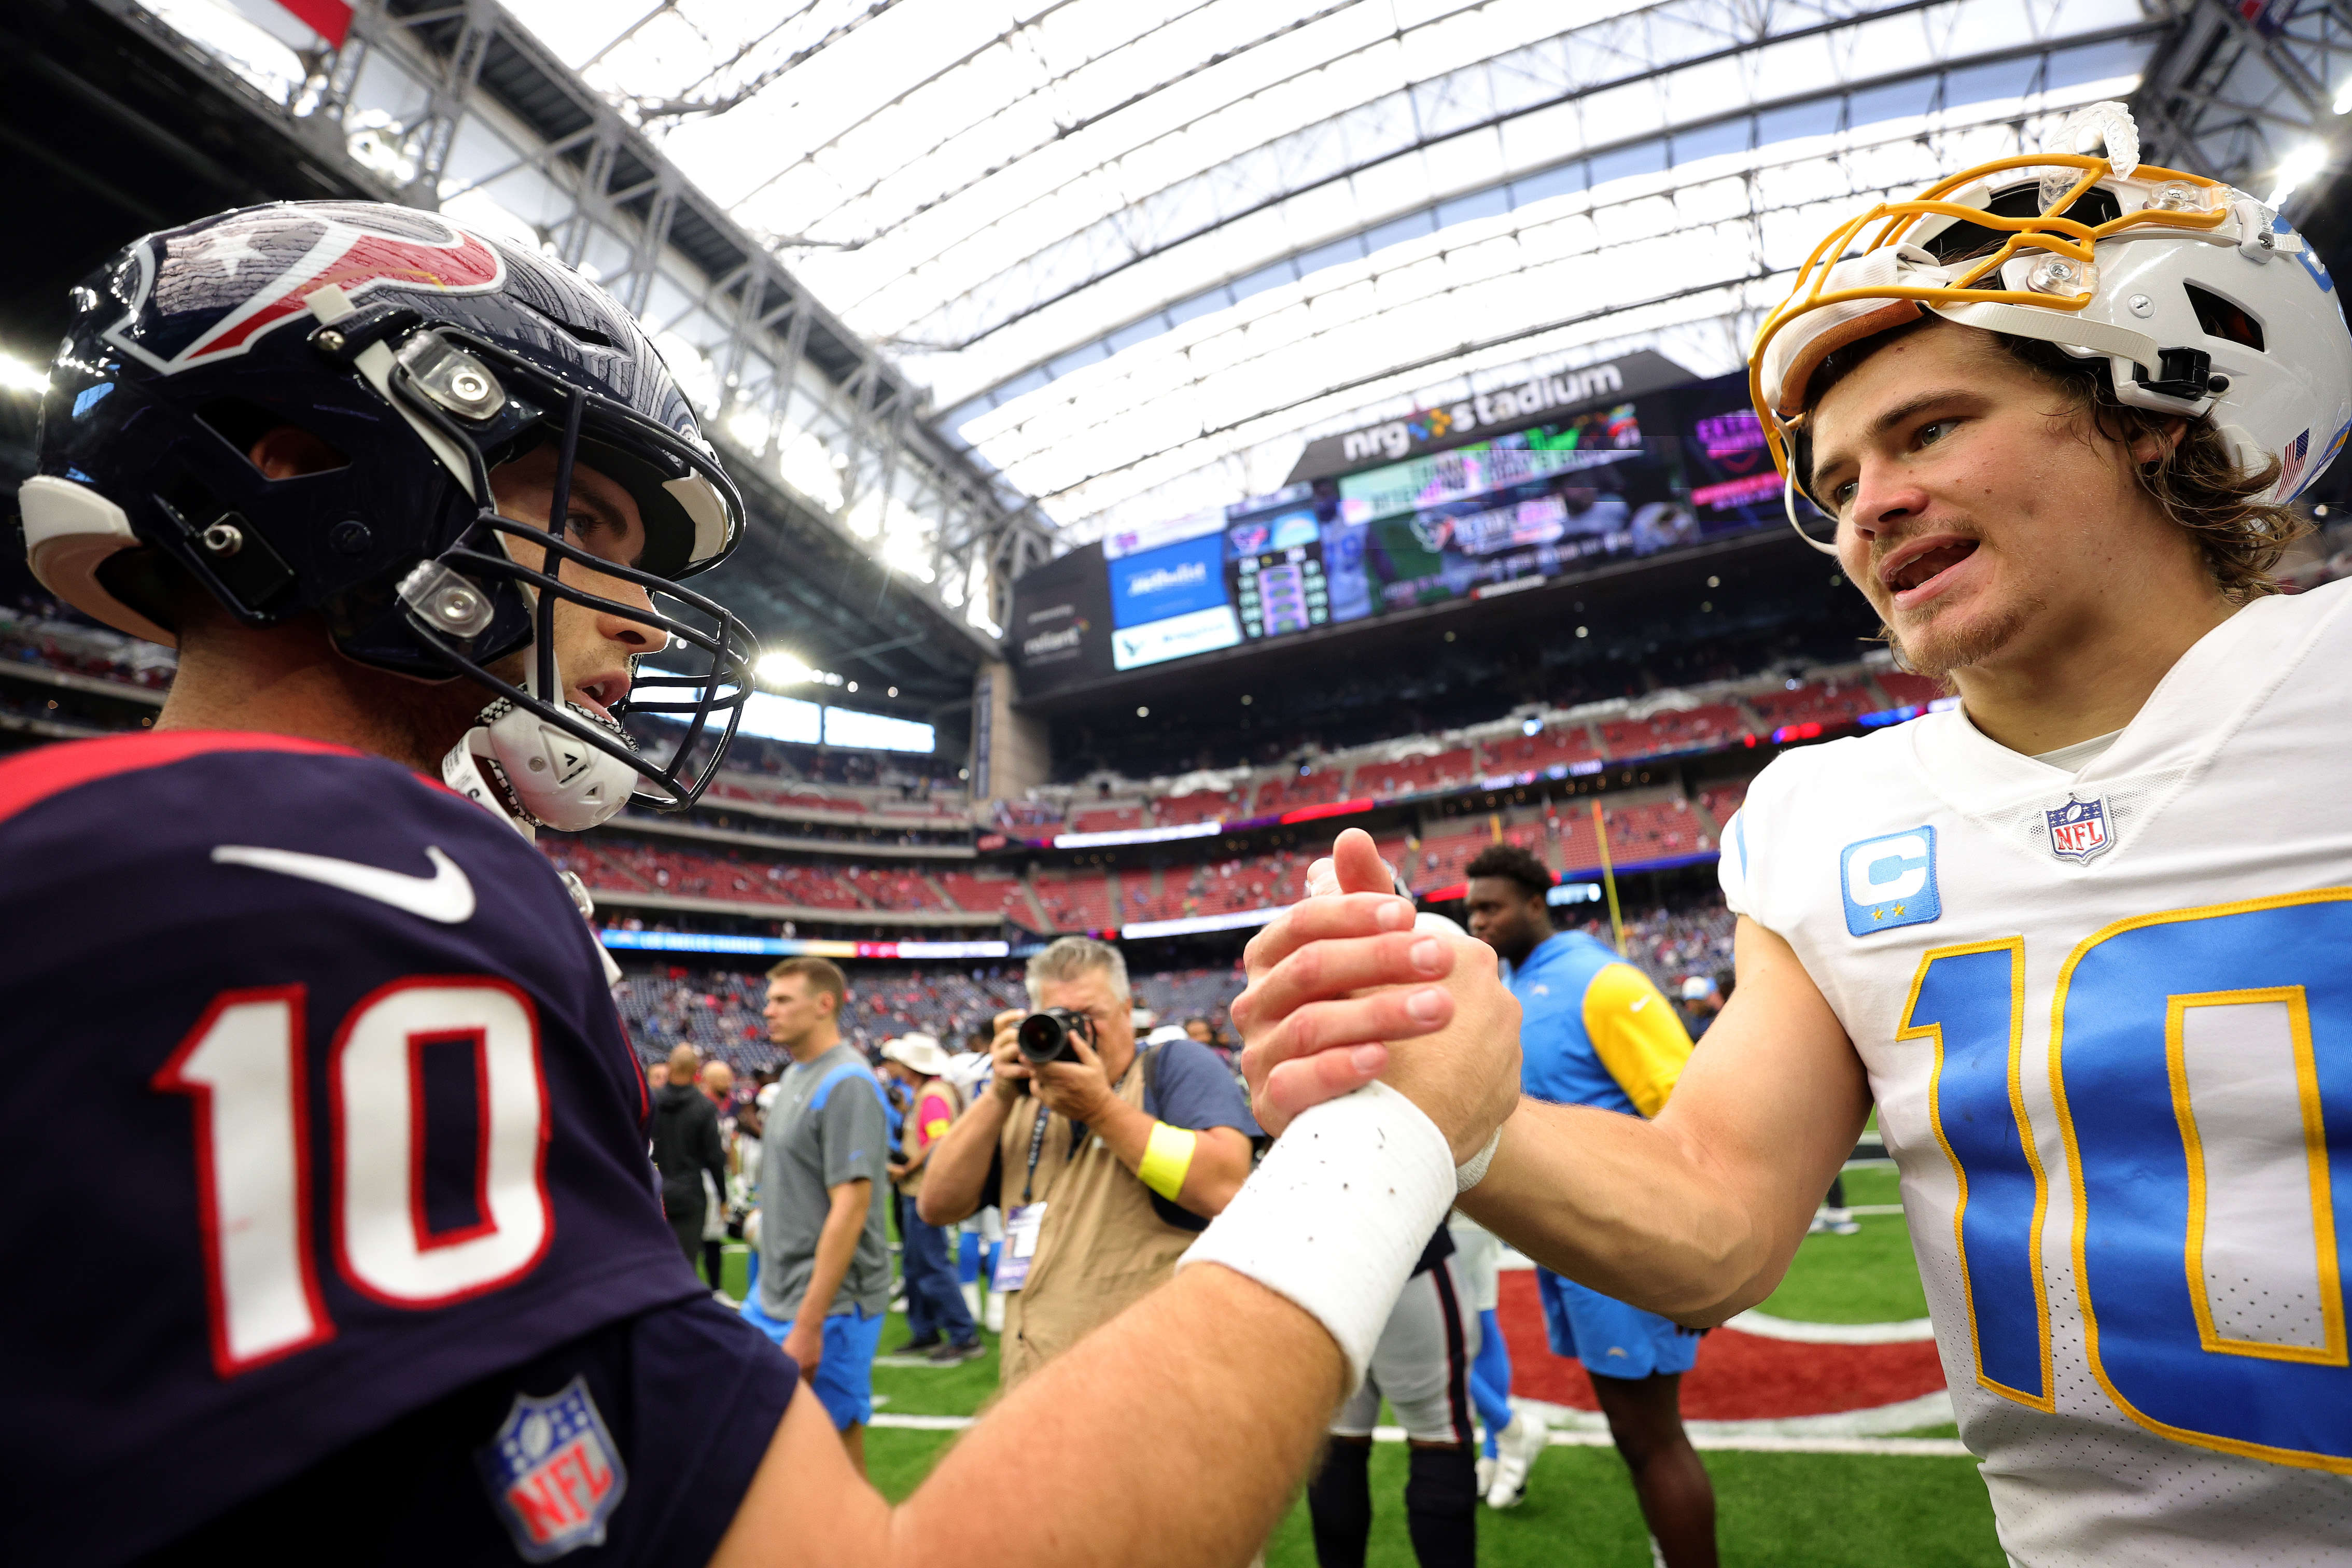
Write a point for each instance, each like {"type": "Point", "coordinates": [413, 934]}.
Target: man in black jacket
{"type": "Point", "coordinates": [686, 1144]}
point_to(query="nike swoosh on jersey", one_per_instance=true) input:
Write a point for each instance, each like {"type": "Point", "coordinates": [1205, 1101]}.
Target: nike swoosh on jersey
{"type": "Point", "coordinates": [1638, 1004]}
{"type": "Point", "coordinates": [445, 895]}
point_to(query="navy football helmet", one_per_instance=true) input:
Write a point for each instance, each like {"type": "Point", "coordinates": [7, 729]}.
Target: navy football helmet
{"type": "Point", "coordinates": [425, 355]}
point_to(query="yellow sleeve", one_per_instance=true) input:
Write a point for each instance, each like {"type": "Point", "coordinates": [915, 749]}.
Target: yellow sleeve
{"type": "Point", "coordinates": [1639, 1037]}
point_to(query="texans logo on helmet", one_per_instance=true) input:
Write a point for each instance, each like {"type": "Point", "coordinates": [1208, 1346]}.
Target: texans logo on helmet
{"type": "Point", "coordinates": [208, 291]}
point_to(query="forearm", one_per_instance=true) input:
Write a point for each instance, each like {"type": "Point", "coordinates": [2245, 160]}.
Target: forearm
{"type": "Point", "coordinates": [836, 1243]}
{"type": "Point", "coordinates": [1070, 1433]}
{"type": "Point", "coordinates": [1627, 1207]}
{"type": "Point", "coordinates": [1268, 1391]}
{"type": "Point", "coordinates": [959, 1162]}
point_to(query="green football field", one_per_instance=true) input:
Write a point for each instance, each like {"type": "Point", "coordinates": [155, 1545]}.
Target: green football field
{"type": "Point", "coordinates": [1820, 1510]}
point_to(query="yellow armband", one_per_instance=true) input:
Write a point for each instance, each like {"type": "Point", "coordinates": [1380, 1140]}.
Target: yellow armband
{"type": "Point", "coordinates": [1166, 1159]}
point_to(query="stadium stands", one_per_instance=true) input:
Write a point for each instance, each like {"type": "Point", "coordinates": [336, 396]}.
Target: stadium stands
{"type": "Point", "coordinates": [894, 888]}
{"type": "Point", "coordinates": [1722, 800]}
{"type": "Point", "coordinates": [1716, 724]}
{"type": "Point", "coordinates": [718, 1012]}
{"type": "Point", "coordinates": [1816, 702]}
{"type": "Point", "coordinates": [1909, 690]}
{"type": "Point", "coordinates": [1563, 745]}
{"type": "Point", "coordinates": [1107, 819]}
{"type": "Point", "coordinates": [982, 894]}
{"type": "Point", "coordinates": [1412, 776]}
{"type": "Point", "coordinates": [1076, 900]}
{"type": "Point", "coordinates": [1195, 805]}
{"type": "Point", "coordinates": [1293, 791]}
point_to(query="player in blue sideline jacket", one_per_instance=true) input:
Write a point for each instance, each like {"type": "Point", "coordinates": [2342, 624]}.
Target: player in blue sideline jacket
{"type": "Point", "coordinates": [2081, 938]}
{"type": "Point", "coordinates": [1594, 1031]}
{"type": "Point", "coordinates": [413, 503]}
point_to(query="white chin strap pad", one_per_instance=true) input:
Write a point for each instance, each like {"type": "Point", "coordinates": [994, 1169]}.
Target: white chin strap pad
{"type": "Point", "coordinates": [562, 780]}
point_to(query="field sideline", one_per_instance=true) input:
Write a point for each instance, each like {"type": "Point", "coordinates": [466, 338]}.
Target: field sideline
{"type": "Point", "coordinates": [1830, 1510]}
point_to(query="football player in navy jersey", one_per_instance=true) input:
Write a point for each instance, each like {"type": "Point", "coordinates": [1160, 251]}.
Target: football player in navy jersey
{"type": "Point", "coordinates": [412, 502]}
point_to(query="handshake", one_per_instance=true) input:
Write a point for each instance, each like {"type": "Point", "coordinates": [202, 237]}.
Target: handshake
{"type": "Point", "coordinates": [1342, 978]}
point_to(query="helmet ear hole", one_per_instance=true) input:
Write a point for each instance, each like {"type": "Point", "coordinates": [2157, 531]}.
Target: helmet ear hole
{"type": "Point", "coordinates": [2218, 317]}
{"type": "Point", "coordinates": [249, 427]}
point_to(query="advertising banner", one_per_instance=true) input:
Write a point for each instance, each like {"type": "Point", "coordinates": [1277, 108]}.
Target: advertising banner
{"type": "Point", "coordinates": [1061, 628]}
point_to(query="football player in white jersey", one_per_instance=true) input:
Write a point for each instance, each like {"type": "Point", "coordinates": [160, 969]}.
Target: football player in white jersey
{"type": "Point", "coordinates": [2083, 940]}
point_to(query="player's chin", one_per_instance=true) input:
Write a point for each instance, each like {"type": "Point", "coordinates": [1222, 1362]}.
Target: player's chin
{"type": "Point", "coordinates": [1954, 634]}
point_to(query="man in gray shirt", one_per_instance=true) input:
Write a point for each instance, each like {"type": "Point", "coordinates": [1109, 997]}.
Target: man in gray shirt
{"type": "Point", "coordinates": [824, 1261]}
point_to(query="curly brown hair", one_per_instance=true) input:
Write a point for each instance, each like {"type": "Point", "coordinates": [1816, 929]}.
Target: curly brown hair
{"type": "Point", "coordinates": [2199, 483]}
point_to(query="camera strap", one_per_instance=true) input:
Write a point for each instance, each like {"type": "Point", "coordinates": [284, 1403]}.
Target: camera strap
{"type": "Point", "coordinates": [1036, 1147]}
{"type": "Point", "coordinates": [1037, 1132]}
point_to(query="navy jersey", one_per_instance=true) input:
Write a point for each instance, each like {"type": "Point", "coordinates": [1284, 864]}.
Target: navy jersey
{"type": "Point", "coordinates": [340, 1048]}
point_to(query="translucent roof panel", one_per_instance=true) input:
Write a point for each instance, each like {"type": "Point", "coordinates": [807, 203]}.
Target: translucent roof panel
{"type": "Point", "coordinates": [1137, 249]}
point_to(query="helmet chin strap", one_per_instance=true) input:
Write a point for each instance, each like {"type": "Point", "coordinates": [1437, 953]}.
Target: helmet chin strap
{"type": "Point", "coordinates": [536, 773]}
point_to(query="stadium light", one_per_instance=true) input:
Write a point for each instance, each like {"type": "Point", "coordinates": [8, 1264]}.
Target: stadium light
{"type": "Point", "coordinates": [2342, 104]}
{"type": "Point", "coordinates": [2298, 166]}
{"type": "Point", "coordinates": [787, 670]}
{"type": "Point", "coordinates": [15, 376]}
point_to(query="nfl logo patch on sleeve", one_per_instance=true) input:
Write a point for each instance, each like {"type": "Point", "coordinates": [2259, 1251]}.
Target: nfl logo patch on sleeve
{"type": "Point", "coordinates": [1890, 881]}
{"type": "Point", "coordinates": [554, 1472]}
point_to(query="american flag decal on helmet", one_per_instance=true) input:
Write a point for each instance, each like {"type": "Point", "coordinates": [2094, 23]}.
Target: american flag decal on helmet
{"type": "Point", "coordinates": [2291, 463]}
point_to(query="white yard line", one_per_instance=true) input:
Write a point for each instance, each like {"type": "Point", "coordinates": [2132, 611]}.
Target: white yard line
{"type": "Point", "coordinates": [1882, 1421]}
{"type": "Point", "coordinates": [1715, 1436]}
{"type": "Point", "coordinates": [1905, 1332]}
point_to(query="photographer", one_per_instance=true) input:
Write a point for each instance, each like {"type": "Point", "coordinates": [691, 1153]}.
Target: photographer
{"type": "Point", "coordinates": [1106, 1161]}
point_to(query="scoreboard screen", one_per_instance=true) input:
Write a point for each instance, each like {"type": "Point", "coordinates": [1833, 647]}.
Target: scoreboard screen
{"type": "Point", "coordinates": [1657, 472]}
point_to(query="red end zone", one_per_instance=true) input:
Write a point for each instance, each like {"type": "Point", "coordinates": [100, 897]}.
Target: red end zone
{"type": "Point", "coordinates": [1740, 1377]}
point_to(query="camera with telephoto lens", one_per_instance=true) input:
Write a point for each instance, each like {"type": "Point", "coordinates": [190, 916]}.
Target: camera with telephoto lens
{"type": "Point", "coordinates": [1050, 1035]}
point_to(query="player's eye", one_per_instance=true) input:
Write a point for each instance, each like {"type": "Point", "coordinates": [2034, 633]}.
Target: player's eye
{"type": "Point", "coordinates": [1936, 430]}
{"type": "Point", "coordinates": [1842, 495]}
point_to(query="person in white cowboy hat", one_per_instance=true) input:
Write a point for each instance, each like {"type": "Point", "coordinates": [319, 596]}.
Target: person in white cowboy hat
{"type": "Point", "coordinates": [939, 1321]}
{"type": "Point", "coordinates": [2079, 938]}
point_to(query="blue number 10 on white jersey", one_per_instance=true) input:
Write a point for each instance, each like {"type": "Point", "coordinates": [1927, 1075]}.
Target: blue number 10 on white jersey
{"type": "Point", "coordinates": [2115, 1069]}
{"type": "Point", "coordinates": [2205, 1259]}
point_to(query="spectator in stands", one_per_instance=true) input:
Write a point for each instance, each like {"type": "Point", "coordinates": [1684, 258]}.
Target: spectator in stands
{"type": "Point", "coordinates": [1595, 1031]}
{"type": "Point", "coordinates": [940, 1322]}
{"type": "Point", "coordinates": [687, 1149]}
{"type": "Point", "coordinates": [1106, 1166]}
{"type": "Point", "coordinates": [825, 1258]}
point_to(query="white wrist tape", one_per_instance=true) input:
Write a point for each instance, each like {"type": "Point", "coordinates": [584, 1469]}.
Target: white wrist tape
{"type": "Point", "coordinates": [1336, 1215]}
{"type": "Point", "coordinates": [1473, 1170]}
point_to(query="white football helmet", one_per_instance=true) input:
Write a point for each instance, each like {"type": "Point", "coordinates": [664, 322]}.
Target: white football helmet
{"type": "Point", "coordinates": [2201, 299]}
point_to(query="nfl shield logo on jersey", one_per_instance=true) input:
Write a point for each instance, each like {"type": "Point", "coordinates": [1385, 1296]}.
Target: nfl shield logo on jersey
{"type": "Point", "coordinates": [554, 1472]}
{"type": "Point", "coordinates": [2078, 829]}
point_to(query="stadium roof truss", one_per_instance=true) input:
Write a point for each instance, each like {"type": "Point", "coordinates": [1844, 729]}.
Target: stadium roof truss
{"type": "Point", "coordinates": [456, 106]}
{"type": "Point", "coordinates": [1140, 252]}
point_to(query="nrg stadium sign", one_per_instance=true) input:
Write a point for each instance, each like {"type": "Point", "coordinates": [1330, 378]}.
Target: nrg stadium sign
{"type": "Point", "coordinates": [1488, 414]}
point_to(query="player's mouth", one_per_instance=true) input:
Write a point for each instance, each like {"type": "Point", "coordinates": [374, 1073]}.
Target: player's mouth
{"type": "Point", "coordinates": [1924, 568]}
{"type": "Point", "coordinates": [600, 694]}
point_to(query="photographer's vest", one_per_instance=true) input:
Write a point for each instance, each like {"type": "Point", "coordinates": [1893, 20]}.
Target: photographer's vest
{"type": "Point", "coordinates": [1101, 1247]}
{"type": "Point", "coordinates": [911, 1184]}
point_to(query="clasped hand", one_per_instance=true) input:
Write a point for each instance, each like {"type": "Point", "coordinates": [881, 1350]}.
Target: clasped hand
{"type": "Point", "coordinates": [1342, 978]}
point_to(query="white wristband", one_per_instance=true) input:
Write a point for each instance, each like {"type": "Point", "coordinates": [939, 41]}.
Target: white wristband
{"type": "Point", "coordinates": [1473, 1170]}
{"type": "Point", "coordinates": [1338, 1213]}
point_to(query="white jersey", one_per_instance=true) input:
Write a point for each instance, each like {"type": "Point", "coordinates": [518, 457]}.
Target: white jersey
{"type": "Point", "coordinates": [2107, 1018]}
